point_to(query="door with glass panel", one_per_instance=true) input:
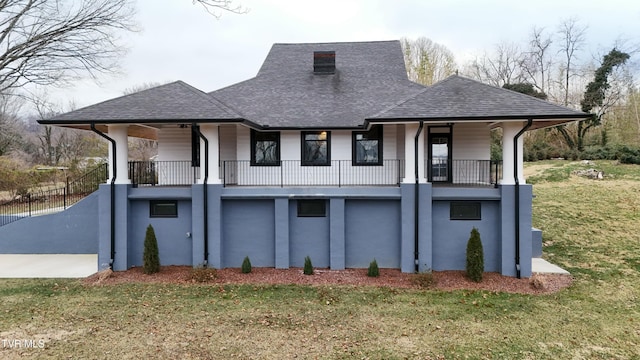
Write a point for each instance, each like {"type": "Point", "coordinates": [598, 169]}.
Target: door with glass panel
{"type": "Point", "coordinates": [439, 157]}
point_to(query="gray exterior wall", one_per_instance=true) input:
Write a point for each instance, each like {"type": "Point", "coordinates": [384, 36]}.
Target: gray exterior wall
{"type": "Point", "coordinates": [248, 229]}
{"type": "Point", "coordinates": [372, 228]}
{"type": "Point", "coordinates": [450, 236]}
{"type": "Point", "coordinates": [73, 231]}
{"type": "Point", "coordinates": [308, 236]}
{"type": "Point", "coordinates": [174, 246]}
{"type": "Point", "coordinates": [361, 224]}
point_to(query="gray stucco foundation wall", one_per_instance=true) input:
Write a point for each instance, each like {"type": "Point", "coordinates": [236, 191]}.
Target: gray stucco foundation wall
{"type": "Point", "coordinates": [308, 236]}
{"type": "Point", "coordinates": [372, 230]}
{"type": "Point", "coordinates": [248, 229]}
{"type": "Point", "coordinates": [174, 246]}
{"type": "Point", "coordinates": [214, 236]}
{"type": "Point", "coordinates": [408, 228]}
{"type": "Point", "coordinates": [450, 237]}
{"type": "Point", "coordinates": [73, 231]}
{"type": "Point", "coordinates": [508, 230]}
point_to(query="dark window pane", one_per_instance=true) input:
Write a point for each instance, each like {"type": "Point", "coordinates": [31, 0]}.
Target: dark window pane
{"type": "Point", "coordinates": [163, 208]}
{"type": "Point", "coordinates": [465, 210]}
{"type": "Point", "coordinates": [315, 148]}
{"type": "Point", "coordinates": [312, 208]}
{"type": "Point", "coordinates": [265, 148]}
{"type": "Point", "coordinates": [368, 146]}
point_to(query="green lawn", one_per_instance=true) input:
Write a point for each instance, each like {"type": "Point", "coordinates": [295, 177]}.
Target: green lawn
{"type": "Point", "coordinates": [591, 228]}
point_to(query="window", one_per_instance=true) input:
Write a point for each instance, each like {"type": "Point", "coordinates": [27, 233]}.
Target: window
{"type": "Point", "coordinates": [465, 210]}
{"type": "Point", "coordinates": [265, 148]}
{"type": "Point", "coordinates": [367, 146]}
{"type": "Point", "coordinates": [163, 208]}
{"type": "Point", "coordinates": [316, 147]}
{"type": "Point", "coordinates": [312, 208]}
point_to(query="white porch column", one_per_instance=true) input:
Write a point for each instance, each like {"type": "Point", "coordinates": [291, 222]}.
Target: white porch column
{"type": "Point", "coordinates": [509, 131]}
{"type": "Point", "coordinates": [118, 132]}
{"type": "Point", "coordinates": [410, 131]}
{"type": "Point", "coordinates": [210, 131]}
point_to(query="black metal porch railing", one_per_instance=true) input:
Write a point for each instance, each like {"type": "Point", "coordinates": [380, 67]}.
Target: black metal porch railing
{"type": "Point", "coordinates": [162, 173]}
{"type": "Point", "coordinates": [464, 172]}
{"type": "Point", "coordinates": [292, 173]}
{"type": "Point", "coordinates": [340, 173]}
{"type": "Point", "coordinates": [37, 202]}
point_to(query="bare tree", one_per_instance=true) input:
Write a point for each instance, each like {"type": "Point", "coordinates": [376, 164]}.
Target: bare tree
{"type": "Point", "coordinates": [572, 38]}
{"type": "Point", "coordinates": [10, 125]}
{"type": "Point", "coordinates": [427, 62]}
{"type": "Point", "coordinates": [537, 62]}
{"type": "Point", "coordinates": [217, 7]}
{"type": "Point", "coordinates": [50, 42]}
{"type": "Point", "coordinates": [501, 67]}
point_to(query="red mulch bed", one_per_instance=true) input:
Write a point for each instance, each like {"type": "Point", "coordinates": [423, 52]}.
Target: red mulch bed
{"type": "Point", "coordinates": [443, 280]}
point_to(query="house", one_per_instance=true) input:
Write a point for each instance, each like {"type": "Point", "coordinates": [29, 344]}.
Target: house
{"type": "Point", "coordinates": [328, 152]}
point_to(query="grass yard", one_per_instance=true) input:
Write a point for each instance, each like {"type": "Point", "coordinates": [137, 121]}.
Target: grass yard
{"type": "Point", "coordinates": [591, 228]}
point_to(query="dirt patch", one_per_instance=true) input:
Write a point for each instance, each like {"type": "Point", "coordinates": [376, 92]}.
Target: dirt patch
{"type": "Point", "coordinates": [534, 169]}
{"type": "Point", "coordinates": [443, 280]}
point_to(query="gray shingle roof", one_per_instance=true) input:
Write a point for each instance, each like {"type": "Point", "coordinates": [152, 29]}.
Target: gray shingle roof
{"type": "Point", "coordinates": [459, 98]}
{"type": "Point", "coordinates": [370, 77]}
{"type": "Point", "coordinates": [173, 102]}
{"type": "Point", "coordinates": [370, 85]}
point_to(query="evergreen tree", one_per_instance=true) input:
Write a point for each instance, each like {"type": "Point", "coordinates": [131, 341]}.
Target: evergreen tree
{"type": "Point", "coordinates": [150, 257]}
{"type": "Point", "coordinates": [475, 256]}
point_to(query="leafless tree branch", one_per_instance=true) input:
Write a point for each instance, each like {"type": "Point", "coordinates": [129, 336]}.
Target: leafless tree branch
{"type": "Point", "coordinates": [50, 42]}
{"type": "Point", "coordinates": [217, 7]}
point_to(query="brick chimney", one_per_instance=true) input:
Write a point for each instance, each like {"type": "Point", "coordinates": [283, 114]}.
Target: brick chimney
{"type": "Point", "coordinates": [324, 62]}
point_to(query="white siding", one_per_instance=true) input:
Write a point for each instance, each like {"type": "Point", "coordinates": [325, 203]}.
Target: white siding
{"type": "Point", "coordinates": [400, 142]}
{"type": "Point", "coordinates": [228, 140]}
{"type": "Point", "coordinates": [243, 149]}
{"type": "Point", "coordinates": [174, 143]}
{"type": "Point", "coordinates": [341, 146]}
{"type": "Point", "coordinates": [471, 141]}
{"type": "Point", "coordinates": [389, 142]}
{"type": "Point", "coordinates": [341, 171]}
{"type": "Point", "coordinates": [290, 145]}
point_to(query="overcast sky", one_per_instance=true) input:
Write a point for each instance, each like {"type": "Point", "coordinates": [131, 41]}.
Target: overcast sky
{"type": "Point", "coordinates": [181, 41]}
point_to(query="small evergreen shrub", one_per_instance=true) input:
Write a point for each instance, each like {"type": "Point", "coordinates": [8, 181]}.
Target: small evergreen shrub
{"type": "Point", "coordinates": [424, 280]}
{"type": "Point", "coordinates": [373, 270]}
{"type": "Point", "coordinates": [475, 256]}
{"type": "Point", "coordinates": [246, 265]}
{"type": "Point", "coordinates": [203, 274]}
{"type": "Point", "coordinates": [308, 267]}
{"type": "Point", "coordinates": [150, 256]}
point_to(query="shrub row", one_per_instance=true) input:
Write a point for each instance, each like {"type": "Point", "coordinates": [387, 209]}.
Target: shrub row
{"type": "Point", "coordinates": [623, 153]}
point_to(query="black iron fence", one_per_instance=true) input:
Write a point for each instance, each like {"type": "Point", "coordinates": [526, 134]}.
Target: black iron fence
{"type": "Point", "coordinates": [162, 173]}
{"type": "Point", "coordinates": [464, 172]}
{"type": "Point", "coordinates": [292, 173]}
{"type": "Point", "coordinates": [43, 201]}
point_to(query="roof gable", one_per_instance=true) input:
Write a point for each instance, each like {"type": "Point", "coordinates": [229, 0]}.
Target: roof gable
{"type": "Point", "coordinates": [170, 102]}
{"type": "Point", "coordinates": [369, 77]}
{"type": "Point", "coordinates": [460, 98]}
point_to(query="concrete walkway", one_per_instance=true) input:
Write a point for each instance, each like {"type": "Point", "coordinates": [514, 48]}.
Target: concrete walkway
{"type": "Point", "coordinates": [542, 266]}
{"type": "Point", "coordinates": [48, 266]}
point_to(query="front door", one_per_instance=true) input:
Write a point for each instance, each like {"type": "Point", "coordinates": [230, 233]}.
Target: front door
{"type": "Point", "coordinates": [439, 157]}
